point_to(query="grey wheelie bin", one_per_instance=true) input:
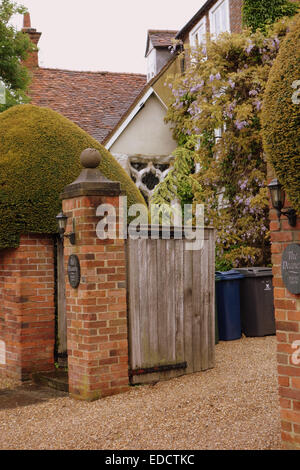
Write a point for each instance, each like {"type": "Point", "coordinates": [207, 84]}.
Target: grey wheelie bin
{"type": "Point", "coordinates": [257, 302]}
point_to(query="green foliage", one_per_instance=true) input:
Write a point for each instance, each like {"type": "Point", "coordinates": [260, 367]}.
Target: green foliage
{"type": "Point", "coordinates": [258, 14]}
{"type": "Point", "coordinates": [281, 115]}
{"type": "Point", "coordinates": [39, 156]}
{"type": "Point", "coordinates": [223, 90]}
{"type": "Point", "coordinates": [14, 48]}
{"type": "Point", "coordinates": [178, 183]}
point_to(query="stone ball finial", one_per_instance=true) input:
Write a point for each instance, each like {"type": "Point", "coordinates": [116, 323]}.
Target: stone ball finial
{"type": "Point", "coordinates": [90, 158]}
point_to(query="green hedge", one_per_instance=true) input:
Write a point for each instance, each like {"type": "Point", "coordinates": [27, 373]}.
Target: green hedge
{"type": "Point", "coordinates": [281, 115]}
{"type": "Point", "coordinates": [257, 14]}
{"type": "Point", "coordinates": [39, 156]}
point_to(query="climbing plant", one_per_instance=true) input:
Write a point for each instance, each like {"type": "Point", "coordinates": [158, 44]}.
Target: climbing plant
{"type": "Point", "coordinates": [217, 106]}
{"type": "Point", "coordinates": [258, 14]}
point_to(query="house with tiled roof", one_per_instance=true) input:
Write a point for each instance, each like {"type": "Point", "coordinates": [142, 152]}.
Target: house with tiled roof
{"type": "Point", "coordinates": [158, 50]}
{"type": "Point", "coordinates": [125, 112]}
{"type": "Point", "coordinates": [95, 101]}
{"type": "Point", "coordinates": [142, 141]}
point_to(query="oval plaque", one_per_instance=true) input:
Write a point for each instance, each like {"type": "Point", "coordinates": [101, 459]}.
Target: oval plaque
{"type": "Point", "coordinates": [74, 271]}
{"type": "Point", "coordinates": [290, 268]}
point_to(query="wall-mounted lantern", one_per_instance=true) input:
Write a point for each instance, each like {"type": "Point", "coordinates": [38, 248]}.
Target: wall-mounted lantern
{"type": "Point", "coordinates": [278, 198]}
{"type": "Point", "coordinates": [62, 225]}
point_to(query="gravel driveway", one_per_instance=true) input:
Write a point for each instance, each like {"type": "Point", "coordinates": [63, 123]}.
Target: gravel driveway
{"type": "Point", "coordinates": [234, 406]}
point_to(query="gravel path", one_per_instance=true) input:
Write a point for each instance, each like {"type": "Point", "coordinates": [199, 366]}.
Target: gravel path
{"type": "Point", "coordinates": [234, 406]}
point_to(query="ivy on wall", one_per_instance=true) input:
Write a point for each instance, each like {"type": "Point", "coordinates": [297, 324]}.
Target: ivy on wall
{"type": "Point", "coordinates": [258, 14]}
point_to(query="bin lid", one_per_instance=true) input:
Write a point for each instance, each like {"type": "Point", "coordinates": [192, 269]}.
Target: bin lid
{"type": "Point", "coordinates": [256, 272]}
{"type": "Point", "coordinates": [229, 275]}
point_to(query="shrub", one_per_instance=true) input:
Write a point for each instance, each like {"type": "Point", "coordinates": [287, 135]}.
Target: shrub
{"type": "Point", "coordinates": [39, 156]}
{"type": "Point", "coordinates": [281, 115]}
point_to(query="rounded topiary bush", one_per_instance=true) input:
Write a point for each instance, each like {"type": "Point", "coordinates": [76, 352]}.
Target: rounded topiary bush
{"type": "Point", "coordinates": [39, 156]}
{"type": "Point", "coordinates": [281, 115]}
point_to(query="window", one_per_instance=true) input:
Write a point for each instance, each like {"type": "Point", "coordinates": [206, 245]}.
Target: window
{"type": "Point", "coordinates": [151, 64]}
{"type": "Point", "coordinates": [198, 34]}
{"type": "Point", "coordinates": [219, 18]}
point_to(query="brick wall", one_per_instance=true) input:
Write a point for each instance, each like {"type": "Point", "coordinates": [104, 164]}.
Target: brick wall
{"type": "Point", "coordinates": [96, 310]}
{"type": "Point", "coordinates": [236, 15]}
{"type": "Point", "coordinates": [27, 307]}
{"type": "Point", "coordinates": [287, 312]}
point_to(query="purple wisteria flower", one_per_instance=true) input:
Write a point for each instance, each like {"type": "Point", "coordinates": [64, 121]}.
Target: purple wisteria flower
{"type": "Point", "coordinates": [197, 87]}
{"type": "Point", "coordinates": [258, 104]}
{"type": "Point", "coordinates": [218, 76]}
{"type": "Point", "coordinates": [231, 83]}
{"type": "Point", "coordinates": [211, 78]}
{"type": "Point", "coordinates": [253, 92]}
{"type": "Point", "coordinates": [240, 124]}
{"type": "Point", "coordinates": [249, 47]}
{"type": "Point", "coordinates": [243, 185]}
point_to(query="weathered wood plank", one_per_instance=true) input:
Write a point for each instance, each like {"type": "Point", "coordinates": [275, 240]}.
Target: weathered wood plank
{"type": "Point", "coordinates": [170, 290]}
{"type": "Point", "coordinates": [188, 310]}
{"type": "Point", "coordinates": [153, 300]}
{"type": "Point", "coordinates": [204, 308]}
{"type": "Point", "coordinates": [179, 300]}
{"type": "Point", "coordinates": [162, 302]}
{"type": "Point", "coordinates": [197, 309]}
{"type": "Point", "coordinates": [143, 285]}
{"type": "Point", "coordinates": [134, 305]}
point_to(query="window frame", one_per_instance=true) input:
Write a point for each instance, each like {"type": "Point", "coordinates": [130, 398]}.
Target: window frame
{"type": "Point", "coordinates": [212, 12]}
{"type": "Point", "coordinates": [194, 31]}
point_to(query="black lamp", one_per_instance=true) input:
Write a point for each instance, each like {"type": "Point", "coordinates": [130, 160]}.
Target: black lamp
{"type": "Point", "coordinates": [62, 225]}
{"type": "Point", "coordinates": [278, 198]}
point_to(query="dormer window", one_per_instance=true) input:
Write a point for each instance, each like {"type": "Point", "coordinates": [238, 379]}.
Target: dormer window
{"type": "Point", "coordinates": [198, 34]}
{"type": "Point", "coordinates": [219, 18]}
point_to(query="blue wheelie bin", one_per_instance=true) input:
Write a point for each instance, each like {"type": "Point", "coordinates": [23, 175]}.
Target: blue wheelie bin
{"type": "Point", "coordinates": [228, 305]}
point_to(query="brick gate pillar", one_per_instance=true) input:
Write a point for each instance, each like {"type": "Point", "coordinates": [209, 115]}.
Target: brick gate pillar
{"type": "Point", "coordinates": [287, 314]}
{"type": "Point", "coordinates": [96, 309]}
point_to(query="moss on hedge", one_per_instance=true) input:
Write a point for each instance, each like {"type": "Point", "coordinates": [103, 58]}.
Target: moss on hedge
{"type": "Point", "coordinates": [39, 156]}
{"type": "Point", "coordinates": [281, 116]}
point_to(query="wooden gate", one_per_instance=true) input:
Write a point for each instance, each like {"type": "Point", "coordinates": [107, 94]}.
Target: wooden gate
{"type": "Point", "coordinates": [171, 308]}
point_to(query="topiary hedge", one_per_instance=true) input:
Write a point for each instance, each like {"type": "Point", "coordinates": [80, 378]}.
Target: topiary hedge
{"type": "Point", "coordinates": [39, 156]}
{"type": "Point", "coordinates": [281, 115]}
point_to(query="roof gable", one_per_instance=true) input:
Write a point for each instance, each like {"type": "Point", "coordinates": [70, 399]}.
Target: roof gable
{"type": "Point", "coordinates": [159, 38]}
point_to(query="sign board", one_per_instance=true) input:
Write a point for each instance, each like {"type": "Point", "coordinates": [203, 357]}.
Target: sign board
{"type": "Point", "coordinates": [290, 268]}
{"type": "Point", "coordinates": [74, 271]}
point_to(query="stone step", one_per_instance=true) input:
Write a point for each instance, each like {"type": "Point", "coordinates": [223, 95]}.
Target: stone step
{"type": "Point", "coordinates": [57, 379]}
